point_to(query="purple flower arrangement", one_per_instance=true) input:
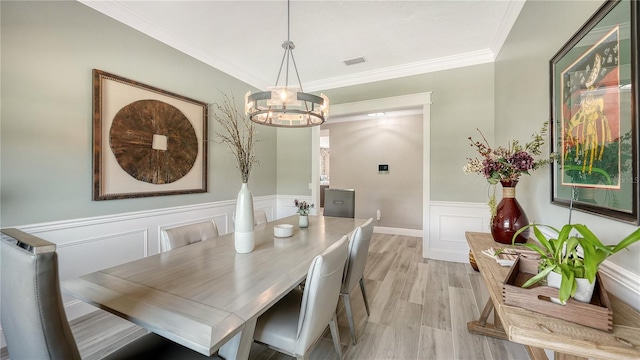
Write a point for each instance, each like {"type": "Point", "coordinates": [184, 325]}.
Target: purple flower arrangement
{"type": "Point", "coordinates": [303, 207]}
{"type": "Point", "coordinates": [507, 164]}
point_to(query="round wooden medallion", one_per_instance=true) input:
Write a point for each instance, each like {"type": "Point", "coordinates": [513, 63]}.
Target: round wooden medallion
{"type": "Point", "coordinates": [153, 141]}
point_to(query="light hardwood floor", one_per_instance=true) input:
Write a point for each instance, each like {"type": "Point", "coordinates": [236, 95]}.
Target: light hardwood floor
{"type": "Point", "coordinates": [419, 310]}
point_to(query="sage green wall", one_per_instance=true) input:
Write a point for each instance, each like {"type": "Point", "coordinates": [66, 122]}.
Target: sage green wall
{"type": "Point", "coordinates": [294, 161]}
{"type": "Point", "coordinates": [462, 100]}
{"type": "Point", "coordinates": [522, 104]}
{"type": "Point", "coordinates": [48, 52]}
{"type": "Point", "coordinates": [356, 150]}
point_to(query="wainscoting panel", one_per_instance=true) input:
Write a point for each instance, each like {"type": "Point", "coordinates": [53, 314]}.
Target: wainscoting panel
{"type": "Point", "coordinates": [93, 254]}
{"type": "Point", "coordinates": [448, 223]}
{"type": "Point", "coordinates": [90, 244]}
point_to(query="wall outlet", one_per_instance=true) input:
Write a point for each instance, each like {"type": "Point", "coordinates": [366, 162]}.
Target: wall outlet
{"type": "Point", "coordinates": [378, 214]}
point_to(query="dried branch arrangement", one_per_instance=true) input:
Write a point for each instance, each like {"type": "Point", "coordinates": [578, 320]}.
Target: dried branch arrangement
{"type": "Point", "coordinates": [238, 133]}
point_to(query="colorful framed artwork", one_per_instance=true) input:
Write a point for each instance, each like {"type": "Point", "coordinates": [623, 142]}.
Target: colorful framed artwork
{"type": "Point", "coordinates": [146, 141]}
{"type": "Point", "coordinates": [594, 115]}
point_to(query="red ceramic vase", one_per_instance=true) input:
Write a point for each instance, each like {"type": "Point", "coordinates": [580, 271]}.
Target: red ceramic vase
{"type": "Point", "coordinates": [509, 217]}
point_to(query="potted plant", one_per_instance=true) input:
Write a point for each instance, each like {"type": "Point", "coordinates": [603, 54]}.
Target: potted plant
{"type": "Point", "coordinates": [238, 133]}
{"type": "Point", "coordinates": [561, 257]}
{"type": "Point", "coordinates": [303, 210]}
{"type": "Point", "coordinates": [505, 165]}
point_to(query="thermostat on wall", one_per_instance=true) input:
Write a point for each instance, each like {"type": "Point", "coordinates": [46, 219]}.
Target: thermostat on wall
{"type": "Point", "coordinates": [383, 168]}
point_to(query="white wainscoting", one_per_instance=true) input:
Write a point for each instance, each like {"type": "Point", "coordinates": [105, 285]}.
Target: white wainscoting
{"type": "Point", "coordinates": [448, 221]}
{"type": "Point", "coordinates": [90, 244]}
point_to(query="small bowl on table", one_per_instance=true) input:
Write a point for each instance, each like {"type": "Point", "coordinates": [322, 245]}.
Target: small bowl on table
{"type": "Point", "coordinates": [283, 230]}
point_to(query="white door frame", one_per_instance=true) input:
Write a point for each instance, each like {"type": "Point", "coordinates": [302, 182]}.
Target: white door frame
{"type": "Point", "coordinates": [419, 100]}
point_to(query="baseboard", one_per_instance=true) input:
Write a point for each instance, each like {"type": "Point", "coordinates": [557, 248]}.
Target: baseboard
{"type": "Point", "coordinates": [397, 231]}
{"type": "Point", "coordinates": [454, 256]}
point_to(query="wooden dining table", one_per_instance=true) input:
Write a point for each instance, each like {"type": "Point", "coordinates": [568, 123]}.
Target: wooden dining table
{"type": "Point", "coordinates": [205, 296]}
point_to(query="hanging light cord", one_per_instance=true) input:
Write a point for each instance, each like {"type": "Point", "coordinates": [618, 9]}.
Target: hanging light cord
{"type": "Point", "coordinates": [288, 47]}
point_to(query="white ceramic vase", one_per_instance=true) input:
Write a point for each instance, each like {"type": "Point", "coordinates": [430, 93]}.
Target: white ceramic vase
{"type": "Point", "coordinates": [244, 236]}
{"type": "Point", "coordinates": [303, 221]}
{"type": "Point", "coordinates": [583, 293]}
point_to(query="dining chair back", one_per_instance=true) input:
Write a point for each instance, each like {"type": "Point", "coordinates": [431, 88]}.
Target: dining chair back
{"type": "Point", "coordinates": [354, 270]}
{"type": "Point", "coordinates": [259, 217]}
{"type": "Point", "coordinates": [340, 203]}
{"type": "Point", "coordinates": [187, 234]}
{"type": "Point", "coordinates": [295, 323]}
{"type": "Point", "coordinates": [32, 315]}
{"type": "Point", "coordinates": [33, 318]}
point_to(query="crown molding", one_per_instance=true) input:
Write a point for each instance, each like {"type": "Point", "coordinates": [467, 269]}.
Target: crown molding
{"type": "Point", "coordinates": [422, 67]}
{"type": "Point", "coordinates": [510, 17]}
{"type": "Point", "coordinates": [119, 11]}
{"type": "Point", "coordinates": [382, 104]}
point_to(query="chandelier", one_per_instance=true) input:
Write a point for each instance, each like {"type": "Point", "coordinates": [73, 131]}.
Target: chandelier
{"type": "Point", "coordinates": [287, 106]}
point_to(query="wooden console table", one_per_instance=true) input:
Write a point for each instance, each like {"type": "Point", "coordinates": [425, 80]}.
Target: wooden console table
{"type": "Point", "coordinates": [537, 331]}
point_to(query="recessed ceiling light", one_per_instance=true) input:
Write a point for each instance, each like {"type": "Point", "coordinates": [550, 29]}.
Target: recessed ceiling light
{"type": "Point", "coordinates": [376, 114]}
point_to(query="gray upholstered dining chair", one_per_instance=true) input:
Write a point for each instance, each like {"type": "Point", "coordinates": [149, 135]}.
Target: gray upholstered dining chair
{"type": "Point", "coordinates": [32, 315]}
{"type": "Point", "coordinates": [296, 322]}
{"type": "Point", "coordinates": [259, 217]}
{"type": "Point", "coordinates": [354, 270]}
{"type": "Point", "coordinates": [187, 234]}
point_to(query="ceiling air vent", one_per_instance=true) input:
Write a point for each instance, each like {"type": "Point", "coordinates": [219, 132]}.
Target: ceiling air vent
{"type": "Point", "coordinates": [354, 61]}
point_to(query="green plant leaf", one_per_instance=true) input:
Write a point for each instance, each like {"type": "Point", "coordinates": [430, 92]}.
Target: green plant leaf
{"type": "Point", "coordinates": [537, 249]}
{"type": "Point", "coordinates": [538, 234]}
{"type": "Point", "coordinates": [626, 242]}
{"type": "Point", "coordinates": [567, 285]}
{"type": "Point", "coordinates": [561, 254]}
{"type": "Point", "coordinates": [541, 275]}
{"type": "Point", "coordinates": [563, 235]}
{"type": "Point", "coordinates": [570, 249]}
{"type": "Point", "coordinates": [592, 238]}
{"type": "Point", "coordinates": [590, 260]}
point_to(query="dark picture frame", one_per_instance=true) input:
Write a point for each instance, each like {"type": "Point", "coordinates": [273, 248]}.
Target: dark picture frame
{"type": "Point", "coordinates": [146, 141]}
{"type": "Point", "coordinates": [594, 115]}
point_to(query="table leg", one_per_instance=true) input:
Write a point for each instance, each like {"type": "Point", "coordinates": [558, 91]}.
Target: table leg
{"type": "Point", "coordinates": [239, 346]}
{"type": "Point", "coordinates": [488, 308]}
{"type": "Point", "coordinates": [482, 327]}
{"type": "Point", "coordinates": [561, 356]}
{"type": "Point", "coordinates": [536, 353]}
{"type": "Point", "coordinates": [496, 321]}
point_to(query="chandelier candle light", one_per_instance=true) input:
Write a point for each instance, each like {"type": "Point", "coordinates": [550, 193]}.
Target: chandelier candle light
{"type": "Point", "coordinates": [287, 106]}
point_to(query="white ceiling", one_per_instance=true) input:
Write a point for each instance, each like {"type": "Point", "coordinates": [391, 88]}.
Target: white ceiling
{"type": "Point", "coordinates": [397, 38]}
